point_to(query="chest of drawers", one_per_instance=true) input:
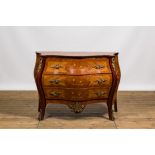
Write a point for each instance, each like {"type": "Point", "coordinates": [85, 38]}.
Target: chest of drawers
{"type": "Point", "coordinates": [77, 79]}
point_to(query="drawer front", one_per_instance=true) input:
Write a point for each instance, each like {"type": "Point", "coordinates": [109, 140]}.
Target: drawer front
{"type": "Point", "coordinates": [99, 80]}
{"type": "Point", "coordinates": [76, 66]}
{"type": "Point", "coordinates": [76, 94]}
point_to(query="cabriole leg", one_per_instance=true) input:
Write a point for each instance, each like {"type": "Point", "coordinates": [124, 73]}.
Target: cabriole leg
{"type": "Point", "coordinates": [39, 105]}
{"type": "Point", "coordinates": [110, 112]}
{"type": "Point", "coordinates": [115, 105]}
{"type": "Point", "coordinates": [42, 110]}
{"type": "Point", "coordinates": [41, 114]}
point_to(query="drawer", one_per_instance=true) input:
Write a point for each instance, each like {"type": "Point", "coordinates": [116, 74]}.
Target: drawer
{"type": "Point", "coordinates": [76, 94]}
{"type": "Point", "coordinates": [76, 66]}
{"type": "Point", "coordinates": [69, 81]}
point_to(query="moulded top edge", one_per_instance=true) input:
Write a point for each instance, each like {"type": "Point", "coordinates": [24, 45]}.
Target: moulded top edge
{"type": "Point", "coordinates": [75, 54]}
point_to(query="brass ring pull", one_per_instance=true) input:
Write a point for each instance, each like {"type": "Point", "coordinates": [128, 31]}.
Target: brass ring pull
{"type": "Point", "coordinates": [100, 81]}
{"type": "Point", "coordinates": [99, 94]}
{"type": "Point", "coordinates": [55, 81]}
{"type": "Point", "coordinates": [98, 66]}
{"type": "Point", "coordinates": [55, 93]}
{"type": "Point", "coordinates": [57, 66]}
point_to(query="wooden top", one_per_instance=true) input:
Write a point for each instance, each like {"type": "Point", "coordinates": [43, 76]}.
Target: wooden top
{"type": "Point", "coordinates": [76, 54]}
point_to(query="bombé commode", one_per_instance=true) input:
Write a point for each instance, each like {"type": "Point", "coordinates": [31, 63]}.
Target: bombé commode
{"type": "Point", "coordinates": [77, 79]}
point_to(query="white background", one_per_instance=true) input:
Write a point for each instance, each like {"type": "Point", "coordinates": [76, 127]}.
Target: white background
{"type": "Point", "coordinates": [136, 47]}
{"type": "Point", "coordinates": [77, 13]}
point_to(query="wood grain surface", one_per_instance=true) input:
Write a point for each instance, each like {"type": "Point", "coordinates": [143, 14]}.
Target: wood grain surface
{"type": "Point", "coordinates": [18, 109]}
{"type": "Point", "coordinates": [77, 66]}
{"type": "Point", "coordinates": [80, 94]}
{"type": "Point", "coordinates": [70, 81]}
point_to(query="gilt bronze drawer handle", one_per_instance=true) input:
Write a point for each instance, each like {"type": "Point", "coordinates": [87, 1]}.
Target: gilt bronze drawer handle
{"type": "Point", "coordinates": [55, 93]}
{"type": "Point", "coordinates": [100, 81]}
{"type": "Point", "coordinates": [57, 66]}
{"type": "Point", "coordinates": [99, 94]}
{"type": "Point", "coordinates": [55, 81]}
{"type": "Point", "coordinates": [98, 66]}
